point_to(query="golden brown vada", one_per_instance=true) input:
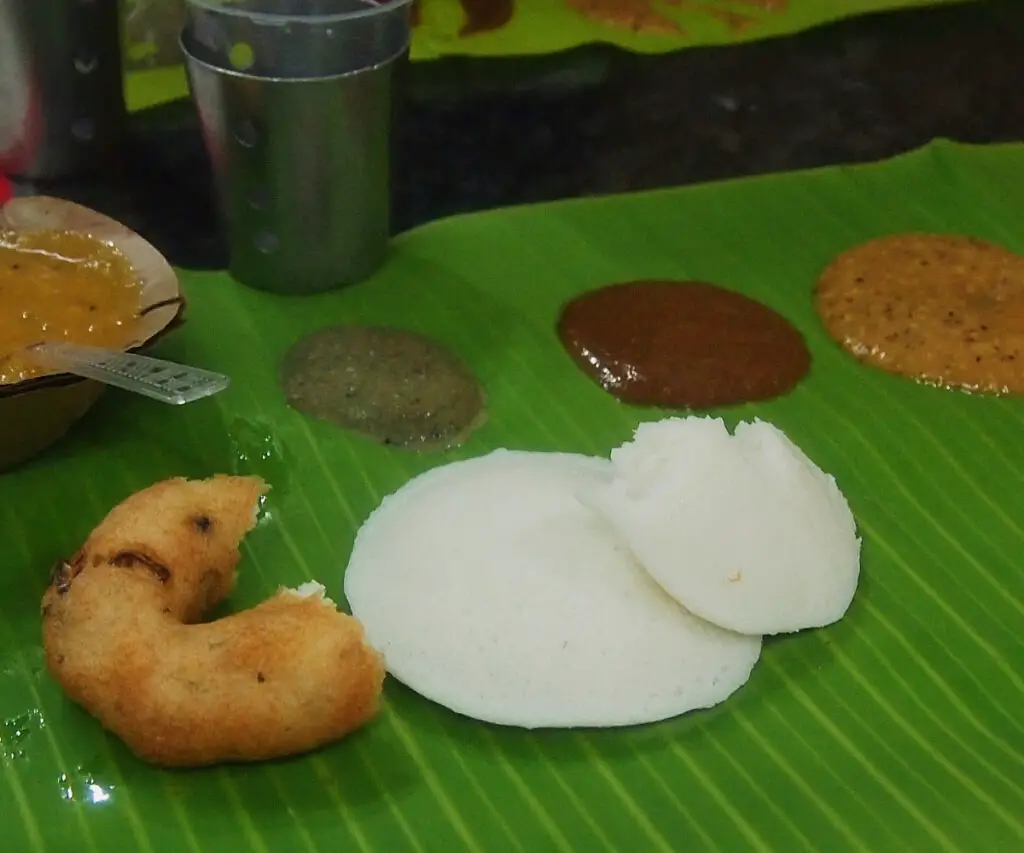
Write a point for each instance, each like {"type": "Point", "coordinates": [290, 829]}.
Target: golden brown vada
{"type": "Point", "coordinates": [121, 635]}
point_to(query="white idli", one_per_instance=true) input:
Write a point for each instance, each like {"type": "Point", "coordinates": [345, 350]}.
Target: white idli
{"type": "Point", "coordinates": [743, 530]}
{"type": "Point", "coordinates": [492, 590]}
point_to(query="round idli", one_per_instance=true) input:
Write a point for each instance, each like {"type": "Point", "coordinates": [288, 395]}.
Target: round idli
{"type": "Point", "coordinates": [742, 529]}
{"type": "Point", "coordinates": [493, 591]}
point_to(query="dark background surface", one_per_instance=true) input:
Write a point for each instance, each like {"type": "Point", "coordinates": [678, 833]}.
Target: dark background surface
{"type": "Point", "coordinates": [478, 134]}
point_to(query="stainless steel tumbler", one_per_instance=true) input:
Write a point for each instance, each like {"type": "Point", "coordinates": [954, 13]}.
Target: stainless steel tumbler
{"type": "Point", "coordinates": [296, 101]}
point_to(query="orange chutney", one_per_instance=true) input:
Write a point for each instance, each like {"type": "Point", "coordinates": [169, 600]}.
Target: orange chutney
{"type": "Point", "coordinates": [62, 286]}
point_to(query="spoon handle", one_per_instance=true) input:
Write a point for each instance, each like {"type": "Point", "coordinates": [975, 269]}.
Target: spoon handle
{"type": "Point", "coordinates": [161, 380]}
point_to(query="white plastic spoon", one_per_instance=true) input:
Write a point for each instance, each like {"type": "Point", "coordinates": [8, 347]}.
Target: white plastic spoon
{"type": "Point", "coordinates": [161, 380]}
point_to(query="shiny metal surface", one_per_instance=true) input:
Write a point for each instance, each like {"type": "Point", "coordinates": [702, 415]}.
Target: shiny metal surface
{"type": "Point", "coordinates": [303, 170]}
{"type": "Point", "coordinates": [61, 97]}
{"type": "Point", "coordinates": [297, 39]}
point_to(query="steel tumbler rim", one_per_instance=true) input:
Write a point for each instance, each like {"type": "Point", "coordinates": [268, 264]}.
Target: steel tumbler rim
{"type": "Point", "coordinates": [277, 18]}
{"type": "Point", "coordinates": [190, 57]}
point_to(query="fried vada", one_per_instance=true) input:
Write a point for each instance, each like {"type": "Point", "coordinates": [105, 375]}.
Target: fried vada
{"type": "Point", "coordinates": [122, 635]}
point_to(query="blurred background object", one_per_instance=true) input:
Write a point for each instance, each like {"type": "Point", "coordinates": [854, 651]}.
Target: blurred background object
{"type": "Point", "coordinates": [62, 109]}
{"type": "Point", "coordinates": [151, 30]}
{"type": "Point", "coordinates": [478, 133]}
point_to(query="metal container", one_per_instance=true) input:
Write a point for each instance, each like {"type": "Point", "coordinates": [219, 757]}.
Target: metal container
{"type": "Point", "coordinates": [300, 137]}
{"type": "Point", "coordinates": [297, 39]}
{"type": "Point", "coordinates": [62, 108]}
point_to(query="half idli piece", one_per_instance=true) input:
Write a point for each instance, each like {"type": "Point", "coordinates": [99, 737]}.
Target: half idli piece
{"type": "Point", "coordinates": [743, 529]}
{"type": "Point", "coordinates": [493, 591]}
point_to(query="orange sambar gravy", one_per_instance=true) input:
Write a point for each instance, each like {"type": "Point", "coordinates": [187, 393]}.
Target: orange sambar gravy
{"type": "Point", "coordinates": [62, 286]}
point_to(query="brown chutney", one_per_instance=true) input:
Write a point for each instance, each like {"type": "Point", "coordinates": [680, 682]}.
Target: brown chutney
{"type": "Point", "coordinates": [943, 309]}
{"type": "Point", "coordinates": [682, 344]}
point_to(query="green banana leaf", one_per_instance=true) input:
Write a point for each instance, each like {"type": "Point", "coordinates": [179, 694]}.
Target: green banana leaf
{"type": "Point", "coordinates": [897, 729]}
{"type": "Point", "coordinates": [537, 27]}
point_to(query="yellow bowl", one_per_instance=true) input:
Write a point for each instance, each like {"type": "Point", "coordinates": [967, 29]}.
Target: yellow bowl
{"type": "Point", "coordinates": [36, 413]}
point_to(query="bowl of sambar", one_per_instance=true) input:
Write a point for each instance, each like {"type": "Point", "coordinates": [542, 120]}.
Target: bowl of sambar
{"type": "Point", "coordinates": [68, 273]}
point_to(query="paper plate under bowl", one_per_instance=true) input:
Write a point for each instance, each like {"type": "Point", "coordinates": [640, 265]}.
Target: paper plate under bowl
{"type": "Point", "coordinates": [36, 413]}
